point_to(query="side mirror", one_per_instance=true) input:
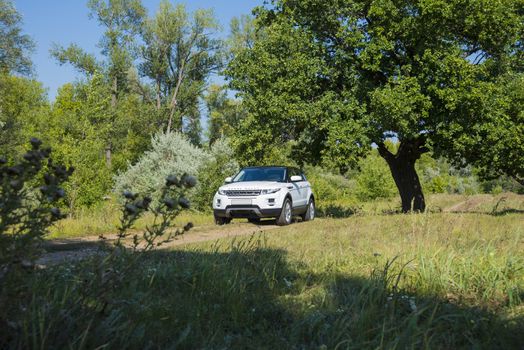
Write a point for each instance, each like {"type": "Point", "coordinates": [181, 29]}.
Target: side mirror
{"type": "Point", "coordinates": [296, 178]}
{"type": "Point", "coordinates": [228, 180]}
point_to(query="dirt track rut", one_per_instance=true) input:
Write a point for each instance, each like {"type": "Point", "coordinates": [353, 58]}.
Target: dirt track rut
{"type": "Point", "coordinates": [60, 250]}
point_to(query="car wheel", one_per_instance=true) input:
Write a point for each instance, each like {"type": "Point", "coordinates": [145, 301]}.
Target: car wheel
{"type": "Point", "coordinates": [310, 213]}
{"type": "Point", "coordinates": [221, 220]}
{"type": "Point", "coordinates": [286, 213]}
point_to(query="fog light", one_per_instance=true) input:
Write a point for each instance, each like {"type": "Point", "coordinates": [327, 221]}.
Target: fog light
{"type": "Point", "coordinates": [271, 201]}
{"type": "Point", "coordinates": [219, 202]}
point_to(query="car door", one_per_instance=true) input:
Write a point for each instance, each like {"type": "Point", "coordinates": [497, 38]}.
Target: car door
{"type": "Point", "coordinates": [303, 189]}
{"type": "Point", "coordinates": [293, 188]}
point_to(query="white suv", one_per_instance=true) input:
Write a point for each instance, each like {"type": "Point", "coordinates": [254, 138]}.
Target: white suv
{"type": "Point", "coordinates": [265, 192]}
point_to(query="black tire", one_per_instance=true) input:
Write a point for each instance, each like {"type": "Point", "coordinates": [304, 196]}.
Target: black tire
{"type": "Point", "coordinates": [222, 221]}
{"type": "Point", "coordinates": [254, 220]}
{"type": "Point", "coordinates": [310, 213]}
{"type": "Point", "coordinates": [286, 214]}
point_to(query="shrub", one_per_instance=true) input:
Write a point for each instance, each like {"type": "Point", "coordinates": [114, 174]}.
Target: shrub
{"type": "Point", "coordinates": [171, 154]}
{"type": "Point", "coordinates": [212, 173]}
{"type": "Point", "coordinates": [374, 179]}
{"type": "Point", "coordinates": [328, 186]}
{"type": "Point", "coordinates": [30, 192]}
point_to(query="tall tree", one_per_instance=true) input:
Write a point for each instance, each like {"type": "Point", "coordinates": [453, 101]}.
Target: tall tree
{"type": "Point", "coordinates": [122, 20]}
{"type": "Point", "coordinates": [336, 76]}
{"type": "Point", "coordinates": [243, 34]}
{"type": "Point", "coordinates": [21, 99]}
{"type": "Point", "coordinates": [15, 47]}
{"type": "Point", "coordinates": [224, 113]}
{"type": "Point", "coordinates": [179, 54]}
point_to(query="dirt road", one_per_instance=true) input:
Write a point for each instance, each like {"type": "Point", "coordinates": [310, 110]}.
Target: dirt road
{"type": "Point", "coordinates": [59, 250]}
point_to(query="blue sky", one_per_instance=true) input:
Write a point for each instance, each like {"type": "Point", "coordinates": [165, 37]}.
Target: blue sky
{"type": "Point", "coordinates": [67, 21]}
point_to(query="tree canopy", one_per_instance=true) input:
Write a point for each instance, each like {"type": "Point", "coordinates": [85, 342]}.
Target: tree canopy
{"type": "Point", "coordinates": [334, 77]}
{"type": "Point", "coordinates": [15, 47]}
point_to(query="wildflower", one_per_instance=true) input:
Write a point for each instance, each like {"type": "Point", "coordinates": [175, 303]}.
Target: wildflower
{"type": "Point", "coordinates": [144, 204]}
{"type": "Point", "coordinates": [131, 209]}
{"type": "Point", "coordinates": [184, 203]}
{"type": "Point", "coordinates": [172, 180]}
{"type": "Point", "coordinates": [36, 143]}
{"type": "Point", "coordinates": [46, 152]}
{"type": "Point", "coordinates": [60, 193]}
{"type": "Point", "coordinates": [169, 203]}
{"type": "Point", "coordinates": [55, 213]}
{"type": "Point", "coordinates": [29, 156]}
{"type": "Point", "coordinates": [189, 181]}
{"type": "Point", "coordinates": [129, 195]}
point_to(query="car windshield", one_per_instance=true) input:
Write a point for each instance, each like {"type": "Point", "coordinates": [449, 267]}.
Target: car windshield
{"type": "Point", "coordinates": [277, 174]}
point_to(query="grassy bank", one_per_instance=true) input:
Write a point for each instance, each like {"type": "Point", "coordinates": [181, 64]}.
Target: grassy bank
{"type": "Point", "coordinates": [104, 219]}
{"type": "Point", "coordinates": [434, 280]}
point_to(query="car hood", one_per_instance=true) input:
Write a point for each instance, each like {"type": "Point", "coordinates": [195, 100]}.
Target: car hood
{"type": "Point", "coordinates": [253, 185]}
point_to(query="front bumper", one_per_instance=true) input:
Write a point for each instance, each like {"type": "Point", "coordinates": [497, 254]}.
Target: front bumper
{"type": "Point", "coordinates": [246, 211]}
{"type": "Point", "coordinates": [262, 206]}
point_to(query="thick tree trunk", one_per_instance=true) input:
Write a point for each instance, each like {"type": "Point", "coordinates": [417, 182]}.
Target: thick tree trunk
{"type": "Point", "coordinates": [402, 166]}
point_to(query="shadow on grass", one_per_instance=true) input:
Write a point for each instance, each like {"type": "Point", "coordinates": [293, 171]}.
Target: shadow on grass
{"type": "Point", "coordinates": [336, 211]}
{"type": "Point", "coordinates": [247, 296]}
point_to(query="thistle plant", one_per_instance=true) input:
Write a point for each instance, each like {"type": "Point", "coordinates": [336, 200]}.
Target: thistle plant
{"type": "Point", "coordinates": [30, 195]}
{"type": "Point", "coordinates": [171, 202]}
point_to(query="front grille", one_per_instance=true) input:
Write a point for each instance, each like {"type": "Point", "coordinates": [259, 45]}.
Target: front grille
{"type": "Point", "coordinates": [242, 193]}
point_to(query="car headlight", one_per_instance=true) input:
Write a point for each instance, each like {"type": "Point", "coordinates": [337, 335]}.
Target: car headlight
{"type": "Point", "coordinates": [270, 191]}
{"type": "Point", "coordinates": [221, 192]}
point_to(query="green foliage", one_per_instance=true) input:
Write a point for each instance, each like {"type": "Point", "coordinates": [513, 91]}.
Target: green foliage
{"type": "Point", "coordinates": [30, 191]}
{"type": "Point", "coordinates": [439, 176]}
{"type": "Point", "coordinates": [212, 173]}
{"type": "Point", "coordinates": [374, 179]}
{"type": "Point", "coordinates": [15, 47]}
{"type": "Point", "coordinates": [170, 154]}
{"type": "Point", "coordinates": [178, 55]}
{"type": "Point", "coordinates": [334, 77]}
{"type": "Point", "coordinates": [108, 274]}
{"type": "Point", "coordinates": [500, 127]}
{"type": "Point", "coordinates": [456, 283]}
{"type": "Point", "coordinates": [74, 55]}
{"type": "Point", "coordinates": [170, 203]}
{"type": "Point", "coordinates": [22, 101]}
{"type": "Point", "coordinates": [78, 128]}
{"type": "Point", "coordinates": [224, 113]}
{"type": "Point", "coordinates": [328, 186]}
{"type": "Point", "coordinates": [243, 35]}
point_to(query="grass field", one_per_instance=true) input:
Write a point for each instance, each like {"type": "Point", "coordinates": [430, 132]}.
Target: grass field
{"type": "Point", "coordinates": [104, 219]}
{"type": "Point", "coordinates": [435, 280]}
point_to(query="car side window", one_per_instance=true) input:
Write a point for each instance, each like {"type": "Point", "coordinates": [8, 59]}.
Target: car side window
{"type": "Point", "coordinates": [289, 172]}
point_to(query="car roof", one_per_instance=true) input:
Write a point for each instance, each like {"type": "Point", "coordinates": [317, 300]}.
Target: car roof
{"type": "Point", "coordinates": [265, 166]}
